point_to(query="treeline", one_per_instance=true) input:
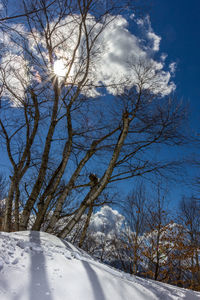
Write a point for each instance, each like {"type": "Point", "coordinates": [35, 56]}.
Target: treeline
{"type": "Point", "coordinates": [142, 237]}
{"type": "Point", "coordinates": [146, 240]}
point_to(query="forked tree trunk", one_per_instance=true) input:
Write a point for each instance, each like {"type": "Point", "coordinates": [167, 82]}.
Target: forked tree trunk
{"type": "Point", "coordinates": [96, 191]}
{"type": "Point", "coordinates": [44, 163]}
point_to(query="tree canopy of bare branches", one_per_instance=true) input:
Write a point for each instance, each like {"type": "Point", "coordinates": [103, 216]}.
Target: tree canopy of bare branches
{"type": "Point", "coordinates": [77, 99]}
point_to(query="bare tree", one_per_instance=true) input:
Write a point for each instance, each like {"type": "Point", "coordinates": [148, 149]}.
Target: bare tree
{"type": "Point", "coordinates": [3, 183]}
{"type": "Point", "coordinates": [190, 210]}
{"type": "Point", "coordinates": [57, 125]}
{"type": "Point", "coordinates": [135, 212]}
{"type": "Point", "coordinates": [3, 191]}
{"type": "Point", "coordinates": [4, 16]}
{"type": "Point", "coordinates": [104, 200]}
{"type": "Point", "coordinates": [157, 222]}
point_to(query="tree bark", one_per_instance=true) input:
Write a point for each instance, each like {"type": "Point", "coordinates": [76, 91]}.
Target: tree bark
{"type": "Point", "coordinates": [96, 191]}
{"type": "Point", "coordinates": [43, 168]}
{"type": "Point", "coordinates": [7, 224]}
{"type": "Point", "coordinates": [86, 225]}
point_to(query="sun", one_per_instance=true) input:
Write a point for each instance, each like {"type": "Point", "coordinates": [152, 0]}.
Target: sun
{"type": "Point", "coordinates": [59, 68]}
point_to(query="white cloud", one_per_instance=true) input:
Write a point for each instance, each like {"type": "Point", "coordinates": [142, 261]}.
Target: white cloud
{"type": "Point", "coordinates": [172, 67]}
{"type": "Point", "coordinates": [140, 22]}
{"type": "Point", "coordinates": [116, 57]}
{"type": "Point", "coordinates": [14, 75]}
{"type": "Point", "coordinates": [106, 220]}
{"type": "Point", "coordinates": [163, 57]}
{"type": "Point", "coordinates": [155, 39]}
{"type": "Point", "coordinates": [122, 49]}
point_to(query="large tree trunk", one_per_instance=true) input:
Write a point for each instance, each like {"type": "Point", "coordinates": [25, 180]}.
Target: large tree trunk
{"type": "Point", "coordinates": [70, 185]}
{"type": "Point", "coordinates": [22, 166]}
{"type": "Point", "coordinates": [96, 191]}
{"type": "Point", "coordinates": [16, 212]}
{"type": "Point", "coordinates": [55, 179]}
{"type": "Point", "coordinates": [7, 224]}
{"type": "Point", "coordinates": [86, 225]}
{"type": "Point", "coordinates": [44, 163]}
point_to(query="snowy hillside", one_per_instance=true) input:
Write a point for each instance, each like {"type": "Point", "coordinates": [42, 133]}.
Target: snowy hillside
{"type": "Point", "coordinates": [37, 266]}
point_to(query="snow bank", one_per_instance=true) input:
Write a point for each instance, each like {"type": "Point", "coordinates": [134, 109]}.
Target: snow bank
{"type": "Point", "coordinates": [39, 266]}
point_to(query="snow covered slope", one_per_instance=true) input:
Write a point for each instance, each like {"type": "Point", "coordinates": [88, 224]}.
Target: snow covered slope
{"type": "Point", "coordinates": [39, 266]}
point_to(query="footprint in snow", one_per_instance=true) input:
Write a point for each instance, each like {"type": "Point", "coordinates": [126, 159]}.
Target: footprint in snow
{"type": "Point", "coordinates": [1, 263]}
{"type": "Point", "coordinates": [15, 261]}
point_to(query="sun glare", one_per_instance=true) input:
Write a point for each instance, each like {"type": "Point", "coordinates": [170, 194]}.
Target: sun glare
{"type": "Point", "coordinates": [59, 68]}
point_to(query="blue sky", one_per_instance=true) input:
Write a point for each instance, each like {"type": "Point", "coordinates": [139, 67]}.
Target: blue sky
{"type": "Point", "coordinates": [177, 22]}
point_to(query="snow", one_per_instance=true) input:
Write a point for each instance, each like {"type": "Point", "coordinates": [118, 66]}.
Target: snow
{"type": "Point", "coordinates": [37, 266]}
